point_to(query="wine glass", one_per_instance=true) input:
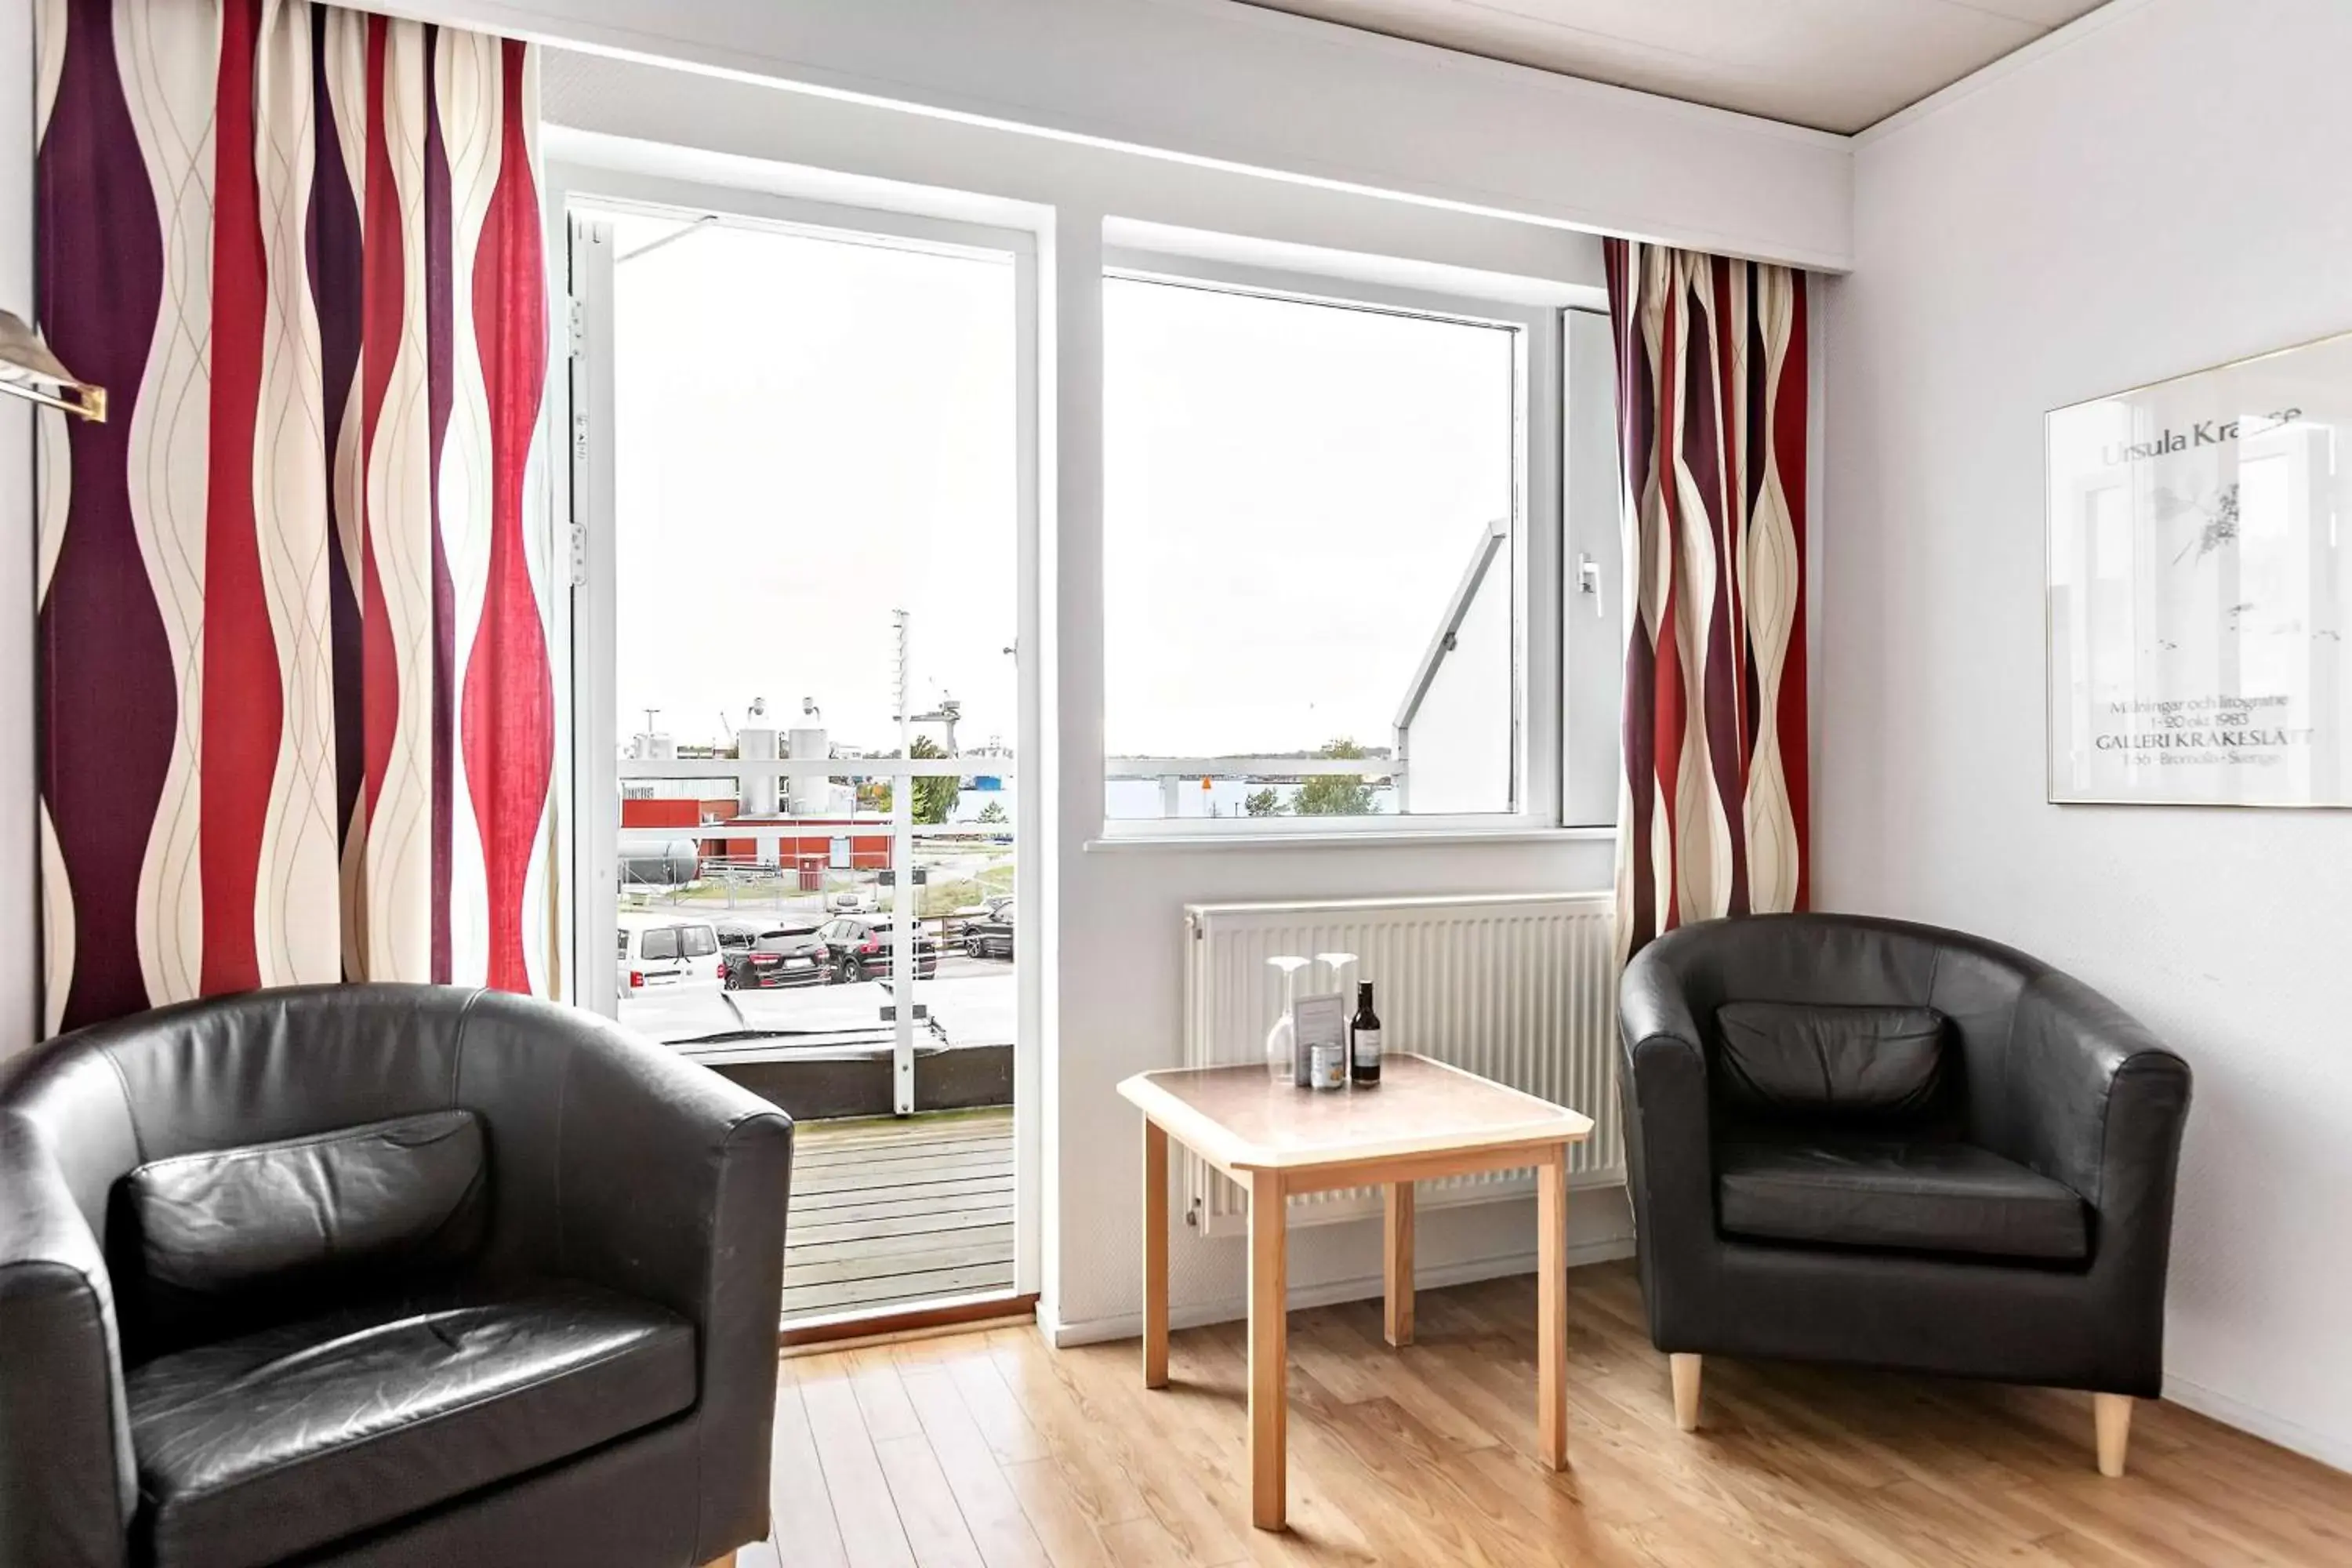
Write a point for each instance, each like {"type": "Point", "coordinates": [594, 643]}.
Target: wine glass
{"type": "Point", "coordinates": [1281, 1040]}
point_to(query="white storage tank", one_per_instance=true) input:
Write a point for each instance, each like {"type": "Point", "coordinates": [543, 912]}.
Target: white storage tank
{"type": "Point", "coordinates": [809, 792]}
{"type": "Point", "coordinates": [758, 792]}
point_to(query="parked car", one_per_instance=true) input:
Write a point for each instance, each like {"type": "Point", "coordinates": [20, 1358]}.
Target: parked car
{"type": "Point", "coordinates": [663, 952]}
{"type": "Point", "coordinates": [738, 935]}
{"type": "Point", "coordinates": [863, 898]}
{"type": "Point", "coordinates": [775, 959]}
{"type": "Point", "coordinates": [860, 946]}
{"type": "Point", "coordinates": [991, 936]}
{"type": "Point", "coordinates": [985, 909]}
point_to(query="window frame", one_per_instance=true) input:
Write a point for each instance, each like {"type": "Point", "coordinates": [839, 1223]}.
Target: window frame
{"type": "Point", "coordinates": [1538, 551]}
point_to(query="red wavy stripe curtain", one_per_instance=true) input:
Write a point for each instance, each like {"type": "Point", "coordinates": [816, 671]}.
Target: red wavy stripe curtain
{"type": "Point", "coordinates": [296, 704]}
{"type": "Point", "coordinates": [1711, 418]}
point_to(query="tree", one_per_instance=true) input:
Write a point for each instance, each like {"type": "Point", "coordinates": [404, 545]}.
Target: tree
{"type": "Point", "coordinates": [1262, 803]}
{"type": "Point", "coordinates": [935, 797]}
{"type": "Point", "coordinates": [1336, 794]}
{"type": "Point", "coordinates": [993, 812]}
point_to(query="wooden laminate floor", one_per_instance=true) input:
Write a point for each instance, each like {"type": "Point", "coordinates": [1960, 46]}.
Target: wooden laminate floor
{"type": "Point", "coordinates": [890, 1213]}
{"type": "Point", "coordinates": [991, 1450]}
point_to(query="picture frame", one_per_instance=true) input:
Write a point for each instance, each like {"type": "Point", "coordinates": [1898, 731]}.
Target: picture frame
{"type": "Point", "coordinates": [2198, 587]}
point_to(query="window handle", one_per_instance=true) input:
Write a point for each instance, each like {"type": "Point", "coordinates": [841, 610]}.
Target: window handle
{"type": "Point", "coordinates": [1588, 581]}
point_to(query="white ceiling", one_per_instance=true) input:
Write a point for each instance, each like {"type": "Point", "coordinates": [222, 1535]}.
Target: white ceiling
{"type": "Point", "coordinates": [1835, 65]}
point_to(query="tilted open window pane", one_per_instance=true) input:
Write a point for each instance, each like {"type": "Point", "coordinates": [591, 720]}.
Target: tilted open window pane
{"type": "Point", "coordinates": [1310, 558]}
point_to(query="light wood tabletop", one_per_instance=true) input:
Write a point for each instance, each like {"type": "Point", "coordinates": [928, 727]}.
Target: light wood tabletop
{"type": "Point", "coordinates": [1425, 1121]}
{"type": "Point", "coordinates": [1243, 1119]}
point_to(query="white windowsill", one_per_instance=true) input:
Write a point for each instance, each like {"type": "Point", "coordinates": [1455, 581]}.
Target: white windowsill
{"type": "Point", "coordinates": [1391, 840]}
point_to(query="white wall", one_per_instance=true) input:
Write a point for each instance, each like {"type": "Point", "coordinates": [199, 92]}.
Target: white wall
{"type": "Point", "coordinates": [20, 953]}
{"type": "Point", "coordinates": [1212, 81]}
{"type": "Point", "coordinates": [2160, 188]}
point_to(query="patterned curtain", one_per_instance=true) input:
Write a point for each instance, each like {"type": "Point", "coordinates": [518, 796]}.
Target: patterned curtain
{"type": "Point", "coordinates": [1711, 421]}
{"type": "Point", "coordinates": [297, 712]}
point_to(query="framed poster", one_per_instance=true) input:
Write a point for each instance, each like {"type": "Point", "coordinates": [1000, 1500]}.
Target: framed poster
{"type": "Point", "coordinates": [2200, 569]}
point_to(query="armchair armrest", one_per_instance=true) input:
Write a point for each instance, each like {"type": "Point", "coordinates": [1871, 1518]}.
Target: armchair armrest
{"type": "Point", "coordinates": [2097, 1103]}
{"type": "Point", "coordinates": [1669, 1151]}
{"type": "Point", "coordinates": [68, 1484]}
{"type": "Point", "coordinates": [619, 1163]}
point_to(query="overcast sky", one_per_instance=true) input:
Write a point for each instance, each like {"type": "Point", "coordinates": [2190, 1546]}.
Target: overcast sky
{"type": "Point", "coordinates": [811, 433]}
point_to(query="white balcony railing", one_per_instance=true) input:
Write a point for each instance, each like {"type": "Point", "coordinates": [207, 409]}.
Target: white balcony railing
{"type": "Point", "coordinates": [1173, 774]}
{"type": "Point", "coordinates": [1277, 769]}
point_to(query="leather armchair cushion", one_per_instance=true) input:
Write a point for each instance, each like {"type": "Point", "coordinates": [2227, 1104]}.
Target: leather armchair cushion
{"type": "Point", "coordinates": [208, 1237]}
{"type": "Point", "coordinates": [1926, 1195]}
{"type": "Point", "coordinates": [254, 1449]}
{"type": "Point", "coordinates": [1840, 1062]}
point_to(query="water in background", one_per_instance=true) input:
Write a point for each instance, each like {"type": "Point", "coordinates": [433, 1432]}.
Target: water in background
{"type": "Point", "coordinates": [1138, 800]}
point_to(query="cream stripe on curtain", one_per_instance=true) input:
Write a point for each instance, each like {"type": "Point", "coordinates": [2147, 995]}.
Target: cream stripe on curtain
{"type": "Point", "coordinates": [1711, 418]}
{"type": "Point", "coordinates": [296, 703]}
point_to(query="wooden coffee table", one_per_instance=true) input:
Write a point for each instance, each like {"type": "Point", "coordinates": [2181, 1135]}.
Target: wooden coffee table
{"type": "Point", "coordinates": [1426, 1120]}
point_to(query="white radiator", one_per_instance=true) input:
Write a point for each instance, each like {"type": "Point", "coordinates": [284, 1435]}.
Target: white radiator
{"type": "Point", "coordinates": [1520, 988]}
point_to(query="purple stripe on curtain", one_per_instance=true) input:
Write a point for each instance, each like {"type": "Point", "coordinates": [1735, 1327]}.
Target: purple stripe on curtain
{"type": "Point", "coordinates": [1758, 438]}
{"type": "Point", "coordinates": [336, 256]}
{"type": "Point", "coordinates": [1636, 437]}
{"type": "Point", "coordinates": [438, 313]}
{"type": "Point", "coordinates": [1708, 382]}
{"type": "Point", "coordinates": [106, 664]}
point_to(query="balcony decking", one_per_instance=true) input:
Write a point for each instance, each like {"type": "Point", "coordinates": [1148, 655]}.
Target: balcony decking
{"type": "Point", "coordinates": [888, 1214]}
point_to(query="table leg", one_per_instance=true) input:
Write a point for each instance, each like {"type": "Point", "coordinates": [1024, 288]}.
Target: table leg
{"type": "Point", "coordinates": [1551, 1307]}
{"type": "Point", "coordinates": [1269, 1348]}
{"type": "Point", "coordinates": [1155, 1255]}
{"type": "Point", "coordinates": [1396, 1262]}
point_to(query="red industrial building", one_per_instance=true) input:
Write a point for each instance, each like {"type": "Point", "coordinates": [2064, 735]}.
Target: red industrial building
{"type": "Point", "coordinates": [721, 833]}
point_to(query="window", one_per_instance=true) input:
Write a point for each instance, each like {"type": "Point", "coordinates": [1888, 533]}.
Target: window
{"type": "Point", "coordinates": [1320, 543]}
{"type": "Point", "coordinates": [699, 941]}
{"type": "Point", "coordinates": [659, 943]}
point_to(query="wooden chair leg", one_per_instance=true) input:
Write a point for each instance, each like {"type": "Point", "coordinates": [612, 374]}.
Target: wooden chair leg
{"type": "Point", "coordinates": [2112, 1414]}
{"type": "Point", "coordinates": [1685, 1371]}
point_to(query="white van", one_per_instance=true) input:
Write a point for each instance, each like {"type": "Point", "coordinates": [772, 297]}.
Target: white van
{"type": "Point", "coordinates": [663, 952]}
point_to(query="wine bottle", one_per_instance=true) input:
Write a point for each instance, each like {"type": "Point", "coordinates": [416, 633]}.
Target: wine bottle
{"type": "Point", "coordinates": [1365, 1031]}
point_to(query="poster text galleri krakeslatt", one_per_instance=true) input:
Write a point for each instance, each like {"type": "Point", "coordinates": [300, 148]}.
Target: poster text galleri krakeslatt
{"type": "Point", "coordinates": [2197, 596]}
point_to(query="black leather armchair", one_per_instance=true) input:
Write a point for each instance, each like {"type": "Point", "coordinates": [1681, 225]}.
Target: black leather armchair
{"type": "Point", "coordinates": [382, 1275]}
{"type": "Point", "coordinates": [1861, 1141]}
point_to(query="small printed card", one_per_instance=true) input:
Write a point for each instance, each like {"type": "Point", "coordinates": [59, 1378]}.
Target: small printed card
{"type": "Point", "coordinates": [1320, 1020]}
